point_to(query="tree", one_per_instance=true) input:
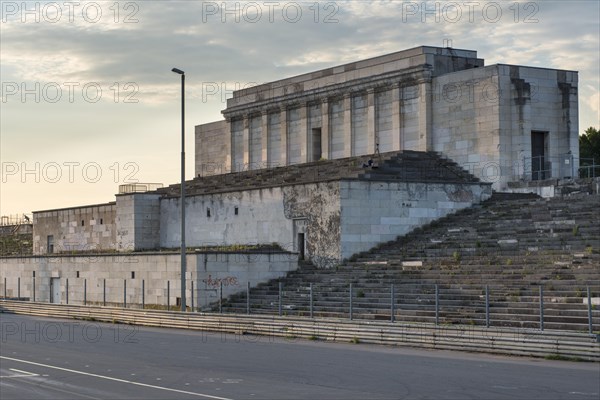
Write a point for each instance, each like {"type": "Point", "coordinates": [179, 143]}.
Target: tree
{"type": "Point", "coordinates": [589, 146]}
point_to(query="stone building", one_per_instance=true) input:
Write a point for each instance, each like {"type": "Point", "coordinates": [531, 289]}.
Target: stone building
{"type": "Point", "coordinates": [324, 211]}
{"type": "Point", "coordinates": [501, 122]}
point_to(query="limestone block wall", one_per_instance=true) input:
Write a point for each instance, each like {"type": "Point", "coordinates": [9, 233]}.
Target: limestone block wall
{"type": "Point", "coordinates": [544, 100]}
{"type": "Point", "coordinates": [466, 122]}
{"type": "Point", "coordinates": [75, 229]}
{"type": "Point", "coordinates": [138, 221]}
{"type": "Point", "coordinates": [376, 212]}
{"type": "Point", "coordinates": [213, 148]}
{"type": "Point", "coordinates": [119, 277]}
{"type": "Point", "coordinates": [483, 119]}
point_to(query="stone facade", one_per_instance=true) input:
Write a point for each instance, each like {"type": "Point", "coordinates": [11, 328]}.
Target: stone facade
{"type": "Point", "coordinates": [87, 228]}
{"type": "Point", "coordinates": [323, 211]}
{"type": "Point", "coordinates": [119, 277]}
{"type": "Point", "coordinates": [426, 98]}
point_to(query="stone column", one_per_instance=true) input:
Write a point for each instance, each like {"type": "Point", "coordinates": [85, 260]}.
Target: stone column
{"type": "Point", "coordinates": [246, 140]}
{"type": "Point", "coordinates": [325, 153]}
{"type": "Point", "coordinates": [265, 137]}
{"type": "Point", "coordinates": [397, 94]}
{"type": "Point", "coordinates": [347, 125]}
{"type": "Point", "coordinates": [227, 167]}
{"type": "Point", "coordinates": [303, 111]}
{"type": "Point", "coordinates": [371, 121]}
{"type": "Point", "coordinates": [425, 139]}
{"type": "Point", "coordinates": [283, 131]}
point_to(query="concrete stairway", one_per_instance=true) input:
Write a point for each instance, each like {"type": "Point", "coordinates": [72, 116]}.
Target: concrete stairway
{"type": "Point", "coordinates": [513, 244]}
{"type": "Point", "coordinates": [405, 166]}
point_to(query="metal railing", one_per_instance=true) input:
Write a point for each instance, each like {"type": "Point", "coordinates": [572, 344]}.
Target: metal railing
{"type": "Point", "coordinates": [139, 187]}
{"type": "Point", "coordinates": [557, 167]}
{"type": "Point", "coordinates": [441, 304]}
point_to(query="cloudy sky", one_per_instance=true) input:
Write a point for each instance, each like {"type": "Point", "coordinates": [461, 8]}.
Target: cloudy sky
{"type": "Point", "coordinates": [89, 100]}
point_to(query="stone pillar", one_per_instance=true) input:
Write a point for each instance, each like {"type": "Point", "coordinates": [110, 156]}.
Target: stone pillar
{"type": "Point", "coordinates": [303, 111]}
{"type": "Point", "coordinates": [397, 94]}
{"type": "Point", "coordinates": [227, 167]}
{"type": "Point", "coordinates": [371, 121]}
{"type": "Point", "coordinates": [283, 130]}
{"type": "Point", "coordinates": [265, 137]}
{"type": "Point", "coordinates": [425, 131]}
{"type": "Point", "coordinates": [347, 125]}
{"type": "Point", "coordinates": [325, 153]}
{"type": "Point", "coordinates": [246, 140]}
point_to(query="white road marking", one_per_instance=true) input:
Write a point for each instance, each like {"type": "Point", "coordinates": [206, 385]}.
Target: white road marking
{"type": "Point", "coordinates": [21, 374]}
{"type": "Point", "coordinates": [117, 379]}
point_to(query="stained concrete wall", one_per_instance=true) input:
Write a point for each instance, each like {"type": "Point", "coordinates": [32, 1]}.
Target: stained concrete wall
{"type": "Point", "coordinates": [483, 119]}
{"type": "Point", "coordinates": [123, 276]}
{"type": "Point", "coordinates": [376, 212]}
{"type": "Point", "coordinates": [75, 229]}
{"type": "Point", "coordinates": [263, 216]}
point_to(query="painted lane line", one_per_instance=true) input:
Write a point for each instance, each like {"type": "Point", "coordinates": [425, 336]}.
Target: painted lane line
{"type": "Point", "coordinates": [20, 374]}
{"type": "Point", "coordinates": [208, 396]}
{"type": "Point", "coordinates": [23, 372]}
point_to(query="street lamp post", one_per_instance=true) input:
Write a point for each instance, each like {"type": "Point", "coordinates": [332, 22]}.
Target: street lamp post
{"type": "Point", "coordinates": [183, 260]}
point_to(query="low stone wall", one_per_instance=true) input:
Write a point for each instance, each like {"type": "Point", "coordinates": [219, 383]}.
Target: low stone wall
{"type": "Point", "coordinates": [119, 278]}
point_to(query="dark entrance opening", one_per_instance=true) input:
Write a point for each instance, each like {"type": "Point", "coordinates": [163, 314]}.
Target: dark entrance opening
{"type": "Point", "coordinates": [301, 245]}
{"type": "Point", "coordinates": [539, 168]}
{"type": "Point", "coordinates": [317, 151]}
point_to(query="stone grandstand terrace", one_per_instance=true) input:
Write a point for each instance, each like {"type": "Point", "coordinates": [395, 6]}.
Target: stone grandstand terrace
{"type": "Point", "coordinates": [402, 166]}
{"type": "Point", "coordinates": [513, 244]}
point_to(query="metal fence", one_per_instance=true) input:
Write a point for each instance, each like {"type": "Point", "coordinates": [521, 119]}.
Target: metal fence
{"type": "Point", "coordinates": [483, 305]}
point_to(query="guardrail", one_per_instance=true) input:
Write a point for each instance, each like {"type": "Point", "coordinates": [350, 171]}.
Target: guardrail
{"type": "Point", "coordinates": [494, 340]}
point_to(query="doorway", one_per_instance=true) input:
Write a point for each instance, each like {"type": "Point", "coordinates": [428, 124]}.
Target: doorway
{"type": "Point", "coordinates": [317, 151]}
{"type": "Point", "coordinates": [539, 167]}
{"type": "Point", "coordinates": [301, 246]}
{"type": "Point", "coordinates": [55, 290]}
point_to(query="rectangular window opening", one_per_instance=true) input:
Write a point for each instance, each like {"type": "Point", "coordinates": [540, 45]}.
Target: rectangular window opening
{"type": "Point", "coordinates": [236, 211]}
{"type": "Point", "coordinates": [208, 212]}
{"type": "Point", "coordinates": [78, 274]}
{"type": "Point", "coordinates": [132, 274]}
{"type": "Point", "coordinates": [50, 244]}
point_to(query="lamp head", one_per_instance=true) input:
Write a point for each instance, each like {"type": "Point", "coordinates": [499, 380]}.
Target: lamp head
{"type": "Point", "coordinates": [178, 71]}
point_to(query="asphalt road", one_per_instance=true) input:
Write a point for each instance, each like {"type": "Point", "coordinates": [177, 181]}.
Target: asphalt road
{"type": "Point", "coordinates": [66, 359]}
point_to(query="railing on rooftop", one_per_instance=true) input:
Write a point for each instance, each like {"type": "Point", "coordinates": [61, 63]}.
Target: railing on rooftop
{"type": "Point", "coordinates": [139, 187]}
{"type": "Point", "coordinates": [16, 219]}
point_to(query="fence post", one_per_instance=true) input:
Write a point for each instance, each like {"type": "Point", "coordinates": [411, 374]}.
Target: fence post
{"type": "Point", "coordinates": [19, 288]}
{"type": "Point", "coordinates": [168, 295]}
{"type": "Point", "coordinates": [311, 299]}
{"type": "Point", "coordinates": [192, 283]}
{"type": "Point", "coordinates": [487, 306]}
{"type": "Point", "coordinates": [67, 290]}
{"type": "Point", "coordinates": [248, 298]}
{"type": "Point", "coordinates": [143, 294]}
{"type": "Point", "coordinates": [5, 288]}
{"type": "Point", "coordinates": [85, 292]}
{"type": "Point", "coordinates": [221, 297]}
{"type": "Point", "coordinates": [351, 302]}
{"type": "Point", "coordinates": [541, 307]}
{"type": "Point", "coordinates": [280, 298]}
{"type": "Point", "coordinates": [392, 297]}
{"type": "Point", "coordinates": [34, 287]}
{"type": "Point", "coordinates": [437, 305]}
{"type": "Point", "coordinates": [124, 293]}
{"type": "Point", "coordinates": [589, 298]}
{"type": "Point", "coordinates": [104, 293]}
